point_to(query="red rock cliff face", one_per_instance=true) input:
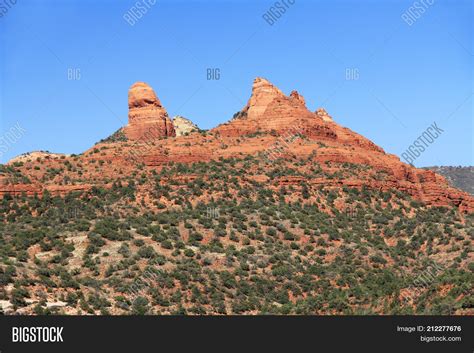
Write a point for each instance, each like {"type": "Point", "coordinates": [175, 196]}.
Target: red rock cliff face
{"type": "Point", "coordinates": [268, 109]}
{"type": "Point", "coordinates": [147, 119]}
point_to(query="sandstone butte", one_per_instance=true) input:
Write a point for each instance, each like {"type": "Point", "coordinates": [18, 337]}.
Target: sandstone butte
{"type": "Point", "coordinates": [272, 124]}
{"type": "Point", "coordinates": [147, 118]}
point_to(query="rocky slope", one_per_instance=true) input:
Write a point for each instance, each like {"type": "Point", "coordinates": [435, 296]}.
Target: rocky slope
{"type": "Point", "coordinates": [183, 126]}
{"type": "Point", "coordinates": [271, 125]}
{"type": "Point", "coordinates": [218, 238]}
{"type": "Point", "coordinates": [279, 211]}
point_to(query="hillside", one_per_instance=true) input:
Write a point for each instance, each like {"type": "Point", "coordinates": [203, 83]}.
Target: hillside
{"type": "Point", "coordinates": [279, 210]}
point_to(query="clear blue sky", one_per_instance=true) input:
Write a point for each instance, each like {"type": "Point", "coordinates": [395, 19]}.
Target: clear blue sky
{"type": "Point", "coordinates": [409, 76]}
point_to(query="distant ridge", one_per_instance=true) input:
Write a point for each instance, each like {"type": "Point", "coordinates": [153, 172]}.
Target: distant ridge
{"type": "Point", "coordinates": [459, 177]}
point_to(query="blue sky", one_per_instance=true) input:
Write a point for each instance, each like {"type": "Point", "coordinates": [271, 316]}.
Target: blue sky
{"type": "Point", "coordinates": [407, 76]}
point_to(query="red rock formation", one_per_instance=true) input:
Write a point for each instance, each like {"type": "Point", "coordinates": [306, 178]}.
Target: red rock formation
{"type": "Point", "coordinates": [147, 119]}
{"type": "Point", "coordinates": [323, 114]}
{"type": "Point", "coordinates": [268, 109]}
{"type": "Point", "coordinates": [271, 121]}
{"type": "Point", "coordinates": [298, 97]}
